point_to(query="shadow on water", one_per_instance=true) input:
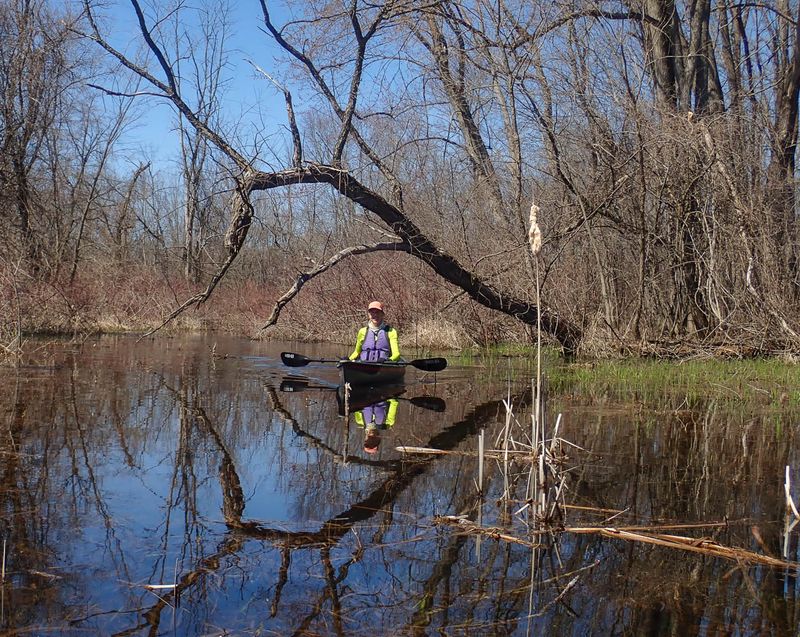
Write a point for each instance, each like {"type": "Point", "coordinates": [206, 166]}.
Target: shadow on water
{"type": "Point", "coordinates": [194, 486]}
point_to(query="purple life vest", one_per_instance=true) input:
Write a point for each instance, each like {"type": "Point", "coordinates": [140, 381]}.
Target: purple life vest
{"type": "Point", "coordinates": [376, 345]}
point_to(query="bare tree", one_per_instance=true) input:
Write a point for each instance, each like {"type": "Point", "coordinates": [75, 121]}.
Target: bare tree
{"type": "Point", "coordinates": [202, 71]}
{"type": "Point", "coordinates": [35, 72]}
{"type": "Point", "coordinates": [365, 23]}
{"type": "Point", "coordinates": [433, 125]}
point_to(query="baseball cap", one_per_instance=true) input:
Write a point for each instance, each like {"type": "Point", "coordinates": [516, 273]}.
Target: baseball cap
{"type": "Point", "coordinates": [376, 305]}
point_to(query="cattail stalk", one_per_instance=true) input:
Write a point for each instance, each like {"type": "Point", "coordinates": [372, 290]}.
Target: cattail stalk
{"type": "Point", "coordinates": [534, 232]}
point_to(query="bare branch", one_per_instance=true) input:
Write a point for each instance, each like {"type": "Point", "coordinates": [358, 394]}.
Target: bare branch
{"type": "Point", "coordinates": [168, 92]}
{"type": "Point", "coordinates": [399, 246]}
{"type": "Point", "coordinates": [197, 299]}
{"type": "Point", "coordinates": [113, 93]}
{"type": "Point", "coordinates": [333, 102]}
{"type": "Point", "coordinates": [567, 334]}
{"type": "Point", "coordinates": [162, 61]}
{"type": "Point", "coordinates": [297, 155]}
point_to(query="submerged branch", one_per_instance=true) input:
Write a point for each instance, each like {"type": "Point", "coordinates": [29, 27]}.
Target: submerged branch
{"type": "Point", "coordinates": [703, 546]}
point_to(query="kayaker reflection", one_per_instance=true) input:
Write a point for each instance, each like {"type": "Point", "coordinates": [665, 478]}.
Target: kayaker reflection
{"type": "Point", "coordinates": [374, 419]}
{"type": "Point", "coordinates": [377, 340]}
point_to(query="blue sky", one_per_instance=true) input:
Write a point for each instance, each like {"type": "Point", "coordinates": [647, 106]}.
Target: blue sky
{"type": "Point", "coordinates": [250, 100]}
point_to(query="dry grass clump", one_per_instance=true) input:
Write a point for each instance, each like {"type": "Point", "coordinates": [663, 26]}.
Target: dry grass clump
{"type": "Point", "coordinates": [437, 334]}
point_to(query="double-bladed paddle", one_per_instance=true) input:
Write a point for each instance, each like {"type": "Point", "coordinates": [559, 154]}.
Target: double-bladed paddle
{"type": "Point", "coordinates": [425, 364]}
{"type": "Point", "coordinates": [433, 403]}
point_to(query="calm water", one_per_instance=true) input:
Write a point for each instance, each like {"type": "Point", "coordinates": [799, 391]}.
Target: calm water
{"type": "Point", "coordinates": [176, 487]}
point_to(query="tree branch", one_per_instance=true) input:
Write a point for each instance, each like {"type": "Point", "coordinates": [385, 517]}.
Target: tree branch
{"type": "Point", "coordinates": [567, 334]}
{"type": "Point", "coordinates": [167, 90]}
{"type": "Point", "coordinates": [305, 277]}
{"type": "Point", "coordinates": [297, 155]}
{"type": "Point", "coordinates": [326, 91]}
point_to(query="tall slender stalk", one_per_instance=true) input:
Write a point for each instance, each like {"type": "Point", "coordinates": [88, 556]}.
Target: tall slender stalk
{"type": "Point", "coordinates": [3, 586]}
{"type": "Point", "coordinates": [537, 426]}
{"type": "Point", "coordinates": [347, 422]}
{"type": "Point", "coordinates": [481, 448]}
{"type": "Point", "coordinates": [506, 436]}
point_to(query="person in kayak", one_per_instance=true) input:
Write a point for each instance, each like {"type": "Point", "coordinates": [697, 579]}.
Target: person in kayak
{"type": "Point", "coordinates": [376, 341]}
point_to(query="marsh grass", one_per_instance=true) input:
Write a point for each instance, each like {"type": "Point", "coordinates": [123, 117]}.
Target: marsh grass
{"type": "Point", "coordinates": [537, 483]}
{"type": "Point", "coordinates": [438, 334]}
{"type": "Point", "coordinates": [759, 382]}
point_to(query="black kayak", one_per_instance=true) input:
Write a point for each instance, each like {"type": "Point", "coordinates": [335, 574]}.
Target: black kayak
{"type": "Point", "coordinates": [368, 373]}
{"type": "Point", "coordinates": [363, 373]}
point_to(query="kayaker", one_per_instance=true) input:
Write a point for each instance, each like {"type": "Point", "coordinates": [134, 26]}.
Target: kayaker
{"type": "Point", "coordinates": [376, 341]}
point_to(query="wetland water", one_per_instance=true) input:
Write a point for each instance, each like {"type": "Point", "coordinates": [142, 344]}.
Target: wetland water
{"type": "Point", "coordinates": [175, 486]}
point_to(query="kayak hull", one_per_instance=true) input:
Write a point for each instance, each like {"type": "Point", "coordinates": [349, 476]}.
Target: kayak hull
{"type": "Point", "coordinates": [364, 374]}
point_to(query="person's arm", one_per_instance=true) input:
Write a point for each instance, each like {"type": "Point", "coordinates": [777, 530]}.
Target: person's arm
{"type": "Point", "coordinates": [394, 347]}
{"type": "Point", "coordinates": [362, 334]}
{"type": "Point", "coordinates": [391, 412]}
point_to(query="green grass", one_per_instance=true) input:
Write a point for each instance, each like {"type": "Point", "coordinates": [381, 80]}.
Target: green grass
{"type": "Point", "coordinates": [765, 382]}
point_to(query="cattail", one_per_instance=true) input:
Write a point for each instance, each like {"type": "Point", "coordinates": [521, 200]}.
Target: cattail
{"type": "Point", "coordinates": [535, 234]}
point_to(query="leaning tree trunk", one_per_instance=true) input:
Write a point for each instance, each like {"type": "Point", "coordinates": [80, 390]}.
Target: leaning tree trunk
{"type": "Point", "coordinates": [563, 331]}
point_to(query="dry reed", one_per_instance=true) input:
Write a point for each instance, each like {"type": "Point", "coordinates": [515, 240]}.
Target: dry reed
{"type": "Point", "coordinates": [498, 454]}
{"type": "Point", "coordinates": [787, 488]}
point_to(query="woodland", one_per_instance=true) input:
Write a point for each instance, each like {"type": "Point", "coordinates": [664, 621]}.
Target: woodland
{"type": "Point", "coordinates": [646, 149]}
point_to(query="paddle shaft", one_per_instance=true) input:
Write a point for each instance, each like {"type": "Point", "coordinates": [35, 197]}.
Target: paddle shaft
{"type": "Point", "coordinates": [291, 359]}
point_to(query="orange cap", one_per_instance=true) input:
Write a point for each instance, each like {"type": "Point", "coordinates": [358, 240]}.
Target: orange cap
{"type": "Point", "coordinates": [376, 305]}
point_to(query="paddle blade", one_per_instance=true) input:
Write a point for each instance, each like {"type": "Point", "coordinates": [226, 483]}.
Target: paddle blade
{"type": "Point", "coordinates": [294, 360]}
{"type": "Point", "coordinates": [294, 385]}
{"type": "Point", "coordinates": [429, 364]}
{"type": "Point", "coordinates": [429, 402]}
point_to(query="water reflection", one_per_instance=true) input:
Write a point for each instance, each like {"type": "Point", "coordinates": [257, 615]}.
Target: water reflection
{"type": "Point", "coordinates": [188, 485]}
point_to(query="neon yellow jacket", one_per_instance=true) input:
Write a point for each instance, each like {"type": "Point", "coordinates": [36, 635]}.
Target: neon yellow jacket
{"type": "Point", "coordinates": [391, 336]}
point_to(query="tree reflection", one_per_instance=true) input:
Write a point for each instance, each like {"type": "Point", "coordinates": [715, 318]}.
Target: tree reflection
{"type": "Point", "coordinates": [253, 503]}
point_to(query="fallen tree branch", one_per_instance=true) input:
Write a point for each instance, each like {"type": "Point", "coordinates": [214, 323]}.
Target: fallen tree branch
{"type": "Point", "coordinates": [470, 527]}
{"type": "Point", "coordinates": [305, 277]}
{"type": "Point", "coordinates": [703, 546]}
{"type": "Point", "coordinates": [489, 453]}
{"type": "Point", "coordinates": [446, 266]}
